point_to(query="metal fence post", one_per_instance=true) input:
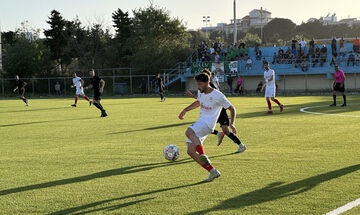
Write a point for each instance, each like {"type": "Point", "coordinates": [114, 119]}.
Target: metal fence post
{"type": "Point", "coordinates": [33, 87]}
{"type": "Point", "coordinates": [148, 85]}
{"type": "Point", "coordinates": [49, 86]}
{"type": "Point", "coordinates": [64, 86]}
{"type": "Point", "coordinates": [3, 87]}
{"type": "Point", "coordinates": [131, 89]}
{"type": "Point", "coordinates": [113, 79]}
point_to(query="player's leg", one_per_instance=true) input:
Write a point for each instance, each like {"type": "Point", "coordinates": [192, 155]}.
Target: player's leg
{"type": "Point", "coordinates": [97, 104]}
{"type": "Point", "coordinates": [197, 152]}
{"type": "Point", "coordinates": [234, 138]}
{"type": "Point", "coordinates": [22, 97]}
{"type": "Point", "coordinates": [334, 98]}
{"type": "Point", "coordinates": [76, 99]}
{"type": "Point", "coordinates": [269, 105]}
{"type": "Point", "coordinates": [86, 98]}
{"type": "Point", "coordinates": [344, 98]}
{"type": "Point", "coordinates": [278, 103]}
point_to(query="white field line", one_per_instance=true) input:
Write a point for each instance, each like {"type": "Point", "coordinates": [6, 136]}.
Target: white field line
{"type": "Point", "coordinates": [305, 110]}
{"type": "Point", "coordinates": [344, 208]}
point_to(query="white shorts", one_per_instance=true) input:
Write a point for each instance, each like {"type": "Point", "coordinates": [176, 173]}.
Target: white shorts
{"type": "Point", "coordinates": [80, 91]}
{"type": "Point", "coordinates": [270, 92]}
{"type": "Point", "coordinates": [201, 130]}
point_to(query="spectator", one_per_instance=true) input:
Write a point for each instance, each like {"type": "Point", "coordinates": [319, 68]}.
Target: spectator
{"type": "Point", "coordinates": [357, 59]}
{"type": "Point", "coordinates": [342, 51]}
{"type": "Point", "coordinates": [274, 58]}
{"type": "Point", "coordinates": [239, 87]}
{"type": "Point", "coordinates": [57, 88]}
{"type": "Point", "coordinates": [333, 60]}
{"type": "Point", "coordinates": [217, 57]}
{"type": "Point", "coordinates": [323, 54]}
{"type": "Point", "coordinates": [312, 47]}
{"type": "Point", "coordinates": [230, 82]}
{"type": "Point", "coordinates": [293, 44]}
{"type": "Point", "coordinates": [356, 45]}
{"type": "Point", "coordinates": [258, 54]}
{"type": "Point", "coordinates": [305, 64]}
{"type": "Point", "coordinates": [248, 63]}
{"type": "Point", "coordinates": [333, 47]}
{"type": "Point", "coordinates": [302, 45]}
{"type": "Point", "coordinates": [342, 42]}
{"type": "Point", "coordinates": [351, 59]}
{"type": "Point", "coordinates": [259, 86]}
{"type": "Point", "coordinates": [316, 57]}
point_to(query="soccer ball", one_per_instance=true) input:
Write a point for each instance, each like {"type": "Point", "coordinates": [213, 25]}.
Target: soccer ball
{"type": "Point", "coordinates": [171, 152]}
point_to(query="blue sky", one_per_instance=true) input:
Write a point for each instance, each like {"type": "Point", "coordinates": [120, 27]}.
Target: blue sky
{"type": "Point", "coordinates": [13, 12]}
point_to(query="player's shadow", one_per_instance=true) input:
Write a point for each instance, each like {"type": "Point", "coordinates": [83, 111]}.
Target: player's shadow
{"type": "Point", "coordinates": [153, 128]}
{"type": "Point", "coordinates": [278, 190]}
{"type": "Point", "coordinates": [28, 109]}
{"type": "Point", "coordinates": [80, 209]}
{"type": "Point", "coordinates": [102, 174]}
{"type": "Point", "coordinates": [45, 121]}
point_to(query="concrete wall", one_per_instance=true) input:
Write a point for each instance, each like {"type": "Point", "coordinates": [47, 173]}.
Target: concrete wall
{"type": "Point", "coordinates": [289, 83]}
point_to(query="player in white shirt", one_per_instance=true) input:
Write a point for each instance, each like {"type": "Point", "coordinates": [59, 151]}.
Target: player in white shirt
{"type": "Point", "coordinates": [215, 81]}
{"type": "Point", "coordinates": [270, 87]}
{"type": "Point", "coordinates": [210, 101]}
{"type": "Point", "coordinates": [78, 83]}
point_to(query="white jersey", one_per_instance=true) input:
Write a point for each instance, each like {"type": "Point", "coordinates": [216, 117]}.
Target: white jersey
{"type": "Point", "coordinates": [210, 107]}
{"type": "Point", "coordinates": [267, 76]}
{"type": "Point", "coordinates": [214, 81]}
{"type": "Point", "coordinates": [77, 83]}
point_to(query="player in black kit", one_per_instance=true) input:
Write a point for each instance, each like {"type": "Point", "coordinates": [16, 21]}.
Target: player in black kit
{"type": "Point", "coordinates": [20, 85]}
{"type": "Point", "coordinates": [160, 84]}
{"type": "Point", "coordinates": [98, 85]}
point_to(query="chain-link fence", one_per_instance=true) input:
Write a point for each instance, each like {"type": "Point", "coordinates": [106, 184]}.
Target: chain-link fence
{"type": "Point", "coordinates": [118, 81]}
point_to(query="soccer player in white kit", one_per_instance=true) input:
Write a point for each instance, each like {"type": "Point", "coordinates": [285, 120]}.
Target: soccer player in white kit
{"type": "Point", "coordinates": [210, 101]}
{"type": "Point", "coordinates": [78, 83]}
{"type": "Point", "coordinates": [270, 89]}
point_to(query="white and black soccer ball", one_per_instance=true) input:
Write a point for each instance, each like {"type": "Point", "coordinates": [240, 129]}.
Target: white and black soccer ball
{"type": "Point", "coordinates": [171, 152]}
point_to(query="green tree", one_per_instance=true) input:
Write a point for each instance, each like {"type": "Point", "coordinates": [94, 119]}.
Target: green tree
{"type": "Point", "coordinates": [158, 41]}
{"type": "Point", "coordinates": [58, 37]}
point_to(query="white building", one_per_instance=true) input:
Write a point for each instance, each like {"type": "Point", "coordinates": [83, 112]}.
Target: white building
{"type": "Point", "coordinates": [256, 19]}
{"type": "Point", "coordinates": [259, 18]}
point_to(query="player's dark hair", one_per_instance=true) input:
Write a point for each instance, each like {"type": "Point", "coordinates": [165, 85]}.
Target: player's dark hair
{"type": "Point", "coordinates": [202, 77]}
{"type": "Point", "coordinates": [266, 62]}
{"type": "Point", "coordinates": [207, 72]}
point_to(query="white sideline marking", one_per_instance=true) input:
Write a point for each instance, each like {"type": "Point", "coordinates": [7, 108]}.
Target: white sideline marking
{"type": "Point", "coordinates": [344, 208]}
{"type": "Point", "coordinates": [304, 110]}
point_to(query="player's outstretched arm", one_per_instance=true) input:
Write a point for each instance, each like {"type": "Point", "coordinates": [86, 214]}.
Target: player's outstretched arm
{"type": "Point", "coordinates": [102, 85]}
{"type": "Point", "coordinates": [15, 89]}
{"type": "Point", "coordinates": [189, 108]}
{"type": "Point", "coordinates": [232, 118]}
{"type": "Point", "coordinates": [89, 87]}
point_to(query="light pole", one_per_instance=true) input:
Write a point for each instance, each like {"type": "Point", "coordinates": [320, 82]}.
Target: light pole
{"type": "Point", "coordinates": [0, 50]}
{"type": "Point", "coordinates": [206, 19]}
{"type": "Point", "coordinates": [235, 23]}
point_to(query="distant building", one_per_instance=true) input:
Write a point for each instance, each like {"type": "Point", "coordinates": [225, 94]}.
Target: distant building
{"type": "Point", "coordinates": [256, 19]}
{"type": "Point", "coordinates": [350, 21]}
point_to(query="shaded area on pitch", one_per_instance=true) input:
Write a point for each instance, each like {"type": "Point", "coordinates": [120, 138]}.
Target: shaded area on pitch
{"type": "Point", "coordinates": [45, 121]}
{"type": "Point", "coordinates": [102, 174]}
{"type": "Point", "coordinates": [153, 128]}
{"type": "Point", "coordinates": [278, 190]}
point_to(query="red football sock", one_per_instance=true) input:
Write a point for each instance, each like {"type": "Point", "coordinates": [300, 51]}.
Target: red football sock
{"type": "Point", "coordinates": [208, 168]}
{"type": "Point", "coordinates": [269, 104]}
{"type": "Point", "coordinates": [76, 98]}
{"type": "Point", "coordinates": [200, 149]}
{"type": "Point", "coordinates": [86, 98]}
{"type": "Point", "coordinates": [277, 102]}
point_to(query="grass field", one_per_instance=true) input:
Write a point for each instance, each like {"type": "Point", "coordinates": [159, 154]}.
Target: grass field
{"type": "Point", "coordinates": [56, 159]}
